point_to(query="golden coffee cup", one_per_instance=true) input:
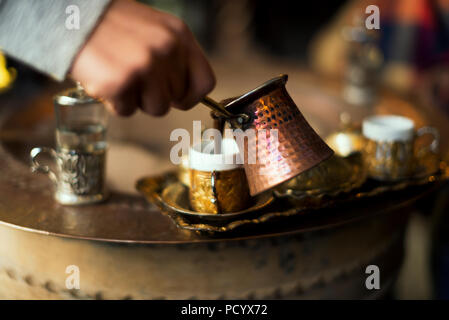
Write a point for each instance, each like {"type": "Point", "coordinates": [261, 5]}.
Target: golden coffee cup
{"type": "Point", "coordinates": [183, 171]}
{"type": "Point", "coordinates": [217, 179]}
{"type": "Point", "coordinates": [391, 152]}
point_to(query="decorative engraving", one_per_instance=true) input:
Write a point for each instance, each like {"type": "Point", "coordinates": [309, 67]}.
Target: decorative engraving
{"type": "Point", "coordinates": [80, 173]}
{"type": "Point", "coordinates": [390, 160]}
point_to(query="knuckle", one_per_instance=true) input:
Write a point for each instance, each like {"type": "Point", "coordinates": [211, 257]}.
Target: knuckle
{"type": "Point", "coordinates": [165, 43]}
{"type": "Point", "coordinates": [180, 26]}
{"type": "Point", "coordinates": [92, 90]}
{"type": "Point", "coordinates": [100, 89]}
{"type": "Point", "coordinates": [112, 108]}
{"type": "Point", "coordinates": [105, 89]}
{"type": "Point", "coordinates": [121, 107]}
{"type": "Point", "coordinates": [122, 80]}
{"type": "Point", "coordinates": [157, 110]}
{"type": "Point", "coordinates": [138, 64]}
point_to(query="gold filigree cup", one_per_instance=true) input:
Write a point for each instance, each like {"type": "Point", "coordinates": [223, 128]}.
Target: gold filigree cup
{"type": "Point", "coordinates": [176, 197]}
{"type": "Point", "coordinates": [172, 197]}
{"type": "Point", "coordinates": [228, 193]}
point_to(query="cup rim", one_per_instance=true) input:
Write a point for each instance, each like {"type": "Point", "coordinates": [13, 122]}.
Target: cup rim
{"type": "Point", "coordinates": [236, 104]}
{"type": "Point", "coordinates": [203, 161]}
{"type": "Point", "coordinates": [388, 128]}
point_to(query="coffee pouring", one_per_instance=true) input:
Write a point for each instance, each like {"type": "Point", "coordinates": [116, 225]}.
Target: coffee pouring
{"type": "Point", "coordinates": [269, 112]}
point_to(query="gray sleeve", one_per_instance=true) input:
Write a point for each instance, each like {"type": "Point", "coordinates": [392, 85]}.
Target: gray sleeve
{"type": "Point", "coordinates": [44, 33]}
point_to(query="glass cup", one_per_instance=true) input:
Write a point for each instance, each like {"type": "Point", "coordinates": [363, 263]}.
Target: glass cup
{"type": "Point", "coordinates": [80, 153]}
{"type": "Point", "coordinates": [390, 150]}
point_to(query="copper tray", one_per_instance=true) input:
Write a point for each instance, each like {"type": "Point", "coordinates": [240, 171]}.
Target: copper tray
{"type": "Point", "coordinates": [146, 256]}
{"type": "Point", "coordinates": [27, 203]}
{"type": "Point", "coordinates": [172, 195]}
{"type": "Point", "coordinates": [176, 197]}
{"type": "Point", "coordinates": [153, 187]}
{"type": "Point", "coordinates": [333, 177]}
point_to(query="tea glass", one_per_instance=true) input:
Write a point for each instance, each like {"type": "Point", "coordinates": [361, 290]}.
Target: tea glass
{"type": "Point", "coordinates": [80, 153]}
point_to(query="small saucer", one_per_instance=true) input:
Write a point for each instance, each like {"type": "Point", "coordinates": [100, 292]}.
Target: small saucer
{"type": "Point", "coordinates": [428, 166]}
{"type": "Point", "coordinates": [175, 197]}
{"type": "Point", "coordinates": [172, 197]}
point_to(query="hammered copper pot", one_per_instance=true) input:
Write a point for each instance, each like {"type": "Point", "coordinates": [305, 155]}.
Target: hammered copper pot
{"type": "Point", "coordinates": [298, 147]}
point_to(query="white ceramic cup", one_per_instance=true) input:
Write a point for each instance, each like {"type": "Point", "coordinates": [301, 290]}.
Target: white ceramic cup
{"type": "Point", "coordinates": [203, 158]}
{"type": "Point", "coordinates": [388, 128]}
{"type": "Point", "coordinates": [390, 150]}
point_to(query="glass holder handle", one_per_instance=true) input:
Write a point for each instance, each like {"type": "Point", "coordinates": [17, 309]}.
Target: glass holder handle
{"type": "Point", "coordinates": [433, 147]}
{"type": "Point", "coordinates": [37, 167]}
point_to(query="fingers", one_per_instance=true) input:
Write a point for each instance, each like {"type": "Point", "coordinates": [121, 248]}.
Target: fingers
{"type": "Point", "coordinates": [201, 79]}
{"type": "Point", "coordinates": [105, 76]}
{"type": "Point", "coordinates": [178, 80]}
{"type": "Point", "coordinates": [126, 103]}
{"type": "Point", "coordinates": [155, 95]}
{"type": "Point", "coordinates": [175, 50]}
{"type": "Point", "coordinates": [138, 57]}
{"type": "Point", "coordinates": [163, 69]}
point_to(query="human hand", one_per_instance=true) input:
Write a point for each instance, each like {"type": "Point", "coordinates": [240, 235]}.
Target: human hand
{"type": "Point", "coordinates": [139, 57]}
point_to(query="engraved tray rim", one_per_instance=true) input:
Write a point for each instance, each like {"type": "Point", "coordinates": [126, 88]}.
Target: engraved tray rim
{"type": "Point", "coordinates": [154, 197]}
{"type": "Point", "coordinates": [259, 202]}
{"type": "Point", "coordinates": [356, 180]}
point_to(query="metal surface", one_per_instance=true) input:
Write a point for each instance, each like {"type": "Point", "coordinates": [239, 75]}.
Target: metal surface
{"type": "Point", "coordinates": [298, 148]}
{"type": "Point", "coordinates": [398, 160]}
{"type": "Point", "coordinates": [125, 249]}
{"type": "Point", "coordinates": [80, 175]}
{"type": "Point", "coordinates": [170, 196]}
{"type": "Point", "coordinates": [218, 110]}
{"type": "Point", "coordinates": [79, 156]}
{"type": "Point", "coordinates": [331, 177]}
{"type": "Point", "coordinates": [329, 264]}
{"type": "Point", "coordinates": [348, 139]}
{"type": "Point", "coordinates": [216, 107]}
{"type": "Point", "coordinates": [218, 192]}
{"type": "Point", "coordinates": [28, 202]}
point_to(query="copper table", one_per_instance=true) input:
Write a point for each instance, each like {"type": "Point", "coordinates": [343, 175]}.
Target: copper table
{"type": "Point", "coordinates": [126, 249]}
